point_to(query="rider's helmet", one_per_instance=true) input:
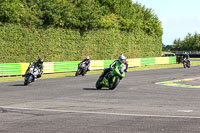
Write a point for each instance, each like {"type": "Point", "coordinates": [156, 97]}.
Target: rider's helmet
{"type": "Point", "coordinates": [87, 57]}
{"type": "Point", "coordinates": [40, 61]}
{"type": "Point", "coordinates": [122, 59]}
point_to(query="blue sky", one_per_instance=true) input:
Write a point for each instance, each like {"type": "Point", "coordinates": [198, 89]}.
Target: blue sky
{"type": "Point", "coordinates": [178, 17]}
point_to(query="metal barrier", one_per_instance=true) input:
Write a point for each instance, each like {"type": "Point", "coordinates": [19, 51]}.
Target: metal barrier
{"type": "Point", "coordinates": [8, 69]}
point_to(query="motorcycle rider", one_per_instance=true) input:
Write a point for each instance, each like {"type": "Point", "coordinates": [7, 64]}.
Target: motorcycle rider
{"type": "Point", "coordinates": [39, 64]}
{"type": "Point", "coordinates": [121, 61]}
{"type": "Point", "coordinates": [186, 57]}
{"type": "Point", "coordinates": [87, 62]}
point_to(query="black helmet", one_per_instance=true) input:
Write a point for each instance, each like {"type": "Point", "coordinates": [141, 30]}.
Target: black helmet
{"type": "Point", "coordinates": [40, 61]}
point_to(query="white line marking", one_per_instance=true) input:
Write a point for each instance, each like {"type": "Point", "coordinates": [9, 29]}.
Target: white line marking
{"type": "Point", "coordinates": [101, 113]}
{"type": "Point", "coordinates": [185, 111]}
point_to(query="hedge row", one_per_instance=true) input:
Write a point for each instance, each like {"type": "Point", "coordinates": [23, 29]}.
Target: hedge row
{"type": "Point", "coordinates": [22, 44]}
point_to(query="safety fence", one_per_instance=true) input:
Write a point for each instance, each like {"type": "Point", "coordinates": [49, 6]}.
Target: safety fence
{"type": "Point", "coordinates": [8, 69]}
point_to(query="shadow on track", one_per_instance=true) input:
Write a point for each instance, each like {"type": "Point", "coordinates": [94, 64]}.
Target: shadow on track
{"type": "Point", "coordinates": [95, 89]}
{"type": "Point", "coordinates": [17, 85]}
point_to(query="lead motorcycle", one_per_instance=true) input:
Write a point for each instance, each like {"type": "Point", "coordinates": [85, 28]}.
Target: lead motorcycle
{"type": "Point", "coordinates": [82, 69]}
{"type": "Point", "coordinates": [31, 75]}
{"type": "Point", "coordinates": [186, 63]}
{"type": "Point", "coordinates": [111, 79]}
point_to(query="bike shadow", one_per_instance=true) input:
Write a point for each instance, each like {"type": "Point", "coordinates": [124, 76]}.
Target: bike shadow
{"type": "Point", "coordinates": [95, 89]}
{"type": "Point", "coordinates": [17, 85]}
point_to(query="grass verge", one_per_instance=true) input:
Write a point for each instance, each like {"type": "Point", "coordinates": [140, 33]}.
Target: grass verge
{"type": "Point", "coordinates": [55, 75]}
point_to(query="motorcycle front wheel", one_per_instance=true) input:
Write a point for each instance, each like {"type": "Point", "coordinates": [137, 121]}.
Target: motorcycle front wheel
{"type": "Point", "coordinates": [184, 65]}
{"type": "Point", "coordinates": [84, 72]}
{"type": "Point", "coordinates": [188, 64]}
{"type": "Point", "coordinates": [98, 83]}
{"type": "Point", "coordinates": [27, 79]}
{"type": "Point", "coordinates": [77, 72]}
{"type": "Point", "coordinates": [116, 82]}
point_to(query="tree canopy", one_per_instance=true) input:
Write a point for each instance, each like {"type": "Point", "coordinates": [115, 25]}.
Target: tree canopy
{"type": "Point", "coordinates": [190, 43]}
{"type": "Point", "coordinates": [60, 30]}
{"type": "Point", "coordinates": [81, 14]}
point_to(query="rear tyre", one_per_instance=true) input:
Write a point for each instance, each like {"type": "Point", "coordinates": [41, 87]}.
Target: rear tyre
{"type": "Point", "coordinates": [115, 84]}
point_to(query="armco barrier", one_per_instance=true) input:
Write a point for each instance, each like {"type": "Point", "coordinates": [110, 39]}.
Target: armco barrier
{"type": "Point", "coordinates": [8, 69]}
{"type": "Point", "coordinates": [134, 62]}
{"type": "Point", "coordinates": [147, 61]}
{"type": "Point", "coordinates": [97, 64]}
{"type": "Point", "coordinates": [107, 63]}
{"type": "Point", "coordinates": [172, 60]}
{"type": "Point", "coordinates": [65, 66]}
{"type": "Point", "coordinates": [162, 60]}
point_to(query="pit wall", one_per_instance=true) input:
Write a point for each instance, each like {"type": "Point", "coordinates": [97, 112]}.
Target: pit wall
{"type": "Point", "coordinates": [8, 69]}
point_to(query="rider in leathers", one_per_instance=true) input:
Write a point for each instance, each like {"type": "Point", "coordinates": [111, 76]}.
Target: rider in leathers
{"type": "Point", "coordinates": [186, 57]}
{"type": "Point", "coordinates": [87, 62]}
{"type": "Point", "coordinates": [121, 61]}
{"type": "Point", "coordinates": [39, 64]}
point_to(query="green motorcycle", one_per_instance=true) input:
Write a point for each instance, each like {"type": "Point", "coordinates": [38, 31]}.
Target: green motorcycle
{"type": "Point", "coordinates": [111, 79]}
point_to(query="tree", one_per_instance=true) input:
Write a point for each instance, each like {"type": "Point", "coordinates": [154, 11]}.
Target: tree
{"type": "Point", "coordinates": [190, 43]}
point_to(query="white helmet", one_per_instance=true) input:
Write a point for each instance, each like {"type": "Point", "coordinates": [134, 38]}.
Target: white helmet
{"type": "Point", "coordinates": [87, 57]}
{"type": "Point", "coordinates": [122, 59]}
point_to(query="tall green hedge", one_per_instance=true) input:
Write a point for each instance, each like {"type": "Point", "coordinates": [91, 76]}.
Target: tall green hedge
{"type": "Point", "coordinates": [60, 30]}
{"type": "Point", "coordinates": [22, 44]}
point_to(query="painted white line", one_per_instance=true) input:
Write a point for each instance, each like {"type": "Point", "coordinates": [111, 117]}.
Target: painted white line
{"type": "Point", "coordinates": [101, 113]}
{"type": "Point", "coordinates": [185, 111]}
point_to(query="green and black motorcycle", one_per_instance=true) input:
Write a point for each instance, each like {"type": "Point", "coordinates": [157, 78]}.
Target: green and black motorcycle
{"type": "Point", "coordinates": [111, 79]}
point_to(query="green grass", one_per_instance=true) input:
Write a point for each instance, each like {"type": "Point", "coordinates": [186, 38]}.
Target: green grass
{"type": "Point", "coordinates": [193, 63]}
{"type": "Point", "coordinates": [195, 58]}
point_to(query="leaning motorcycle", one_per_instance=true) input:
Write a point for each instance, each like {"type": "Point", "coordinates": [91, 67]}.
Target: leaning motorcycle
{"type": "Point", "coordinates": [82, 69]}
{"type": "Point", "coordinates": [111, 79]}
{"type": "Point", "coordinates": [186, 63]}
{"type": "Point", "coordinates": [31, 74]}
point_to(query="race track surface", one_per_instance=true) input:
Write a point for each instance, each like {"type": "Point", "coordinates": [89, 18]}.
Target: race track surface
{"type": "Point", "coordinates": [73, 105]}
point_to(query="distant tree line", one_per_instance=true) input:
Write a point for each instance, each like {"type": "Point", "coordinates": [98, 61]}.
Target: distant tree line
{"type": "Point", "coordinates": [190, 43]}
{"type": "Point", "coordinates": [166, 48]}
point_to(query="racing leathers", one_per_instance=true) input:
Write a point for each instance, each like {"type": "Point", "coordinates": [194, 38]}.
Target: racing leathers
{"type": "Point", "coordinates": [186, 57]}
{"type": "Point", "coordinates": [35, 65]}
{"type": "Point", "coordinates": [87, 63]}
{"type": "Point", "coordinates": [116, 63]}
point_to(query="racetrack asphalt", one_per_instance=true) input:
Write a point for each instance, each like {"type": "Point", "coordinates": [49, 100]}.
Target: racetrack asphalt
{"type": "Point", "coordinates": [73, 105]}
